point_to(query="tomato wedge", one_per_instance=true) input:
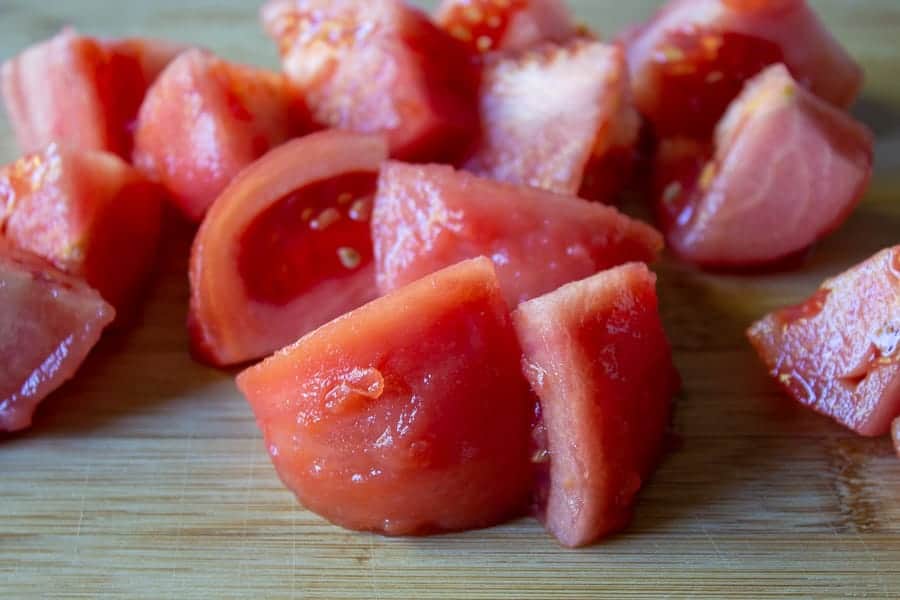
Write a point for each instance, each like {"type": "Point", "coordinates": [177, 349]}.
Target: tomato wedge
{"type": "Point", "coordinates": [379, 67]}
{"type": "Point", "coordinates": [406, 416]}
{"type": "Point", "coordinates": [598, 358]}
{"type": "Point", "coordinates": [559, 118]}
{"type": "Point", "coordinates": [429, 217]}
{"type": "Point", "coordinates": [787, 170]}
{"type": "Point", "coordinates": [692, 59]}
{"type": "Point", "coordinates": [49, 321]}
{"type": "Point", "coordinates": [205, 119]}
{"type": "Point", "coordinates": [89, 213]}
{"type": "Point", "coordinates": [839, 352]}
{"type": "Point", "coordinates": [285, 248]}
{"type": "Point", "coordinates": [488, 25]}
{"type": "Point", "coordinates": [81, 91]}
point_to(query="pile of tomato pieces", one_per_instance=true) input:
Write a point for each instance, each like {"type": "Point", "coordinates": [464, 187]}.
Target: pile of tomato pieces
{"type": "Point", "coordinates": [413, 222]}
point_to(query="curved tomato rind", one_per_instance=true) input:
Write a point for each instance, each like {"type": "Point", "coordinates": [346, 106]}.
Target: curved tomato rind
{"type": "Point", "coordinates": [406, 416]}
{"type": "Point", "coordinates": [839, 352]}
{"type": "Point", "coordinates": [229, 323]}
{"type": "Point", "coordinates": [50, 322]}
{"type": "Point", "coordinates": [597, 356]}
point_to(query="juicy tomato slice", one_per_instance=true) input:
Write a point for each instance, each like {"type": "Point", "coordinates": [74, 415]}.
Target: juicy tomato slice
{"type": "Point", "coordinates": [488, 25]}
{"type": "Point", "coordinates": [205, 119]}
{"type": "Point", "coordinates": [730, 216]}
{"type": "Point", "coordinates": [430, 217]}
{"type": "Point", "coordinates": [597, 356]}
{"type": "Point", "coordinates": [379, 67]}
{"type": "Point", "coordinates": [839, 352]}
{"type": "Point", "coordinates": [89, 213]}
{"type": "Point", "coordinates": [691, 60]}
{"type": "Point", "coordinates": [559, 118]}
{"type": "Point", "coordinates": [285, 248]}
{"type": "Point", "coordinates": [50, 322]}
{"type": "Point", "coordinates": [406, 416]}
{"type": "Point", "coordinates": [80, 91]}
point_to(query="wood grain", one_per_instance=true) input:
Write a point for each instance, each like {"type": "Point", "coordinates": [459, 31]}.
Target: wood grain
{"type": "Point", "coordinates": [146, 476]}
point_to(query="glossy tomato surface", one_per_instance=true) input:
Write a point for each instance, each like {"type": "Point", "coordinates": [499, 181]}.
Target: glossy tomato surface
{"type": "Point", "coordinates": [205, 119]}
{"type": "Point", "coordinates": [49, 321]}
{"type": "Point", "coordinates": [89, 213]}
{"type": "Point", "coordinates": [379, 67]}
{"type": "Point", "coordinates": [286, 248]}
{"type": "Point", "coordinates": [839, 352]}
{"type": "Point", "coordinates": [597, 356]}
{"type": "Point", "coordinates": [489, 25]}
{"type": "Point", "coordinates": [408, 415]}
{"type": "Point", "coordinates": [692, 59]}
{"type": "Point", "coordinates": [81, 91]}
{"type": "Point", "coordinates": [786, 170]}
{"type": "Point", "coordinates": [430, 217]}
{"type": "Point", "coordinates": [559, 118]}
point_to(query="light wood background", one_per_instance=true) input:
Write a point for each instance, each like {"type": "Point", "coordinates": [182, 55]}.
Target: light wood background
{"type": "Point", "coordinates": [146, 476]}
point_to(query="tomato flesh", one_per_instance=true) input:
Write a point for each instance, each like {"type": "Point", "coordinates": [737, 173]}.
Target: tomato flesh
{"type": "Point", "coordinates": [839, 352]}
{"type": "Point", "coordinates": [318, 233]}
{"type": "Point", "coordinates": [429, 217]}
{"type": "Point", "coordinates": [407, 416]}
{"type": "Point", "coordinates": [50, 322]}
{"type": "Point", "coordinates": [597, 356]}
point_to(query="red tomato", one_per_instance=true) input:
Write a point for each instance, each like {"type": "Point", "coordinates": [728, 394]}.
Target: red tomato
{"type": "Point", "coordinates": [558, 118]}
{"type": "Point", "coordinates": [487, 25]}
{"type": "Point", "coordinates": [597, 356]}
{"type": "Point", "coordinates": [777, 141]}
{"type": "Point", "coordinates": [285, 248]}
{"type": "Point", "coordinates": [206, 119]}
{"type": "Point", "coordinates": [49, 322]}
{"type": "Point", "coordinates": [429, 217]}
{"type": "Point", "coordinates": [693, 58]}
{"type": "Point", "coordinates": [406, 416]}
{"type": "Point", "coordinates": [379, 67]}
{"type": "Point", "coordinates": [89, 213]}
{"type": "Point", "coordinates": [80, 91]}
{"type": "Point", "coordinates": [838, 352]}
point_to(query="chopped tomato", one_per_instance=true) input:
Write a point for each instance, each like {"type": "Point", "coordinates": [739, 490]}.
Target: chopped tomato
{"type": "Point", "coordinates": [49, 321]}
{"type": "Point", "coordinates": [597, 356]}
{"type": "Point", "coordinates": [787, 169]}
{"type": "Point", "coordinates": [839, 352]}
{"type": "Point", "coordinates": [558, 118]}
{"type": "Point", "coordinates": [429, 217]}
{"type": "Point", "coordinates": [80, 91]}
{"type": "Point", "coordinates": [408, 415]}
{"type": "Point", "coordinates": [379, 67]}
{"type": "Point", "coordinates": [206, 119]}
{"type": "Point", "coordinates": [487, 25]}
{"type": "Point", "coordinates": [692, 59]}
{"type": "Point", "coordinates": [285, 248]}
{"type": "Point", "coordinates": [89, 213]}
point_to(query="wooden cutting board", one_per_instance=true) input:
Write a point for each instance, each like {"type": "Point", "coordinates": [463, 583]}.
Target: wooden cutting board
{"type": "Point", "coordinates": [146, 476]}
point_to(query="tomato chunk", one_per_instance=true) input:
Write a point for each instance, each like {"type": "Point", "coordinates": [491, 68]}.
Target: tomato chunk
{"type": "Point", "coordinates": [787, 169]}
{"type": "Point", "coordinates": [486, 25]}
{"type": "Point", "coordinates": [81, 91]}
{"type": "Point", "coordinates": [89, 213]}
{"type": "Point", "coordinates": [692, 59]}
{"type": "Point", "coordinates": [839, 352]}
{"type": "Point", "coordinates": [558, 118]}
{"type": "Point", "coordinates": [429, 217]}
{"type": "Point", "coordinates": [380, 67]}
{"type": "Point", "coordinates": [205, 119]}
{"type": "Point", "coordinates": [597, 356]}
{"type": "Point", "coordinates": [406, 416]}
{"type": "Point", "coordinates": [285, 248]}
{"type": "Point", "coordinates": [50, 322]}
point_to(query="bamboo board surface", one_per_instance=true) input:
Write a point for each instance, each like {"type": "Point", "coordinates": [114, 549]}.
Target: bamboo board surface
{"type": "Point", "coordinates": [147, 477]}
